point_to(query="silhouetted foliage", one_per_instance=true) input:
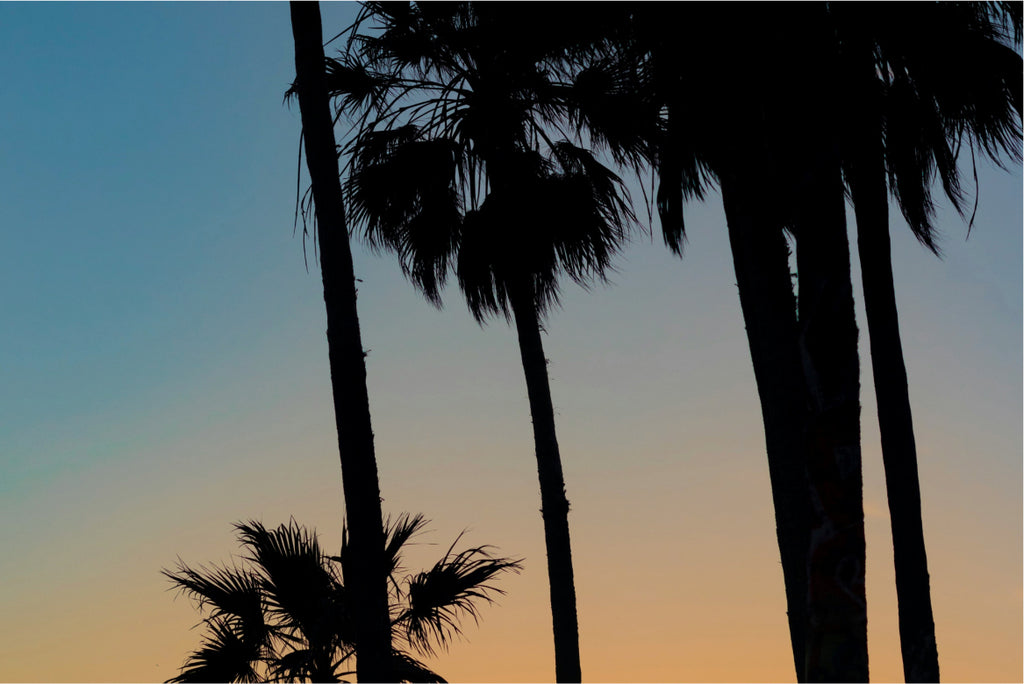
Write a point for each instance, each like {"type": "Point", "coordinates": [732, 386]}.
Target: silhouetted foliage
{"type": "Point", "coordinates": [922, 84]}
{"type": "Point", "coordinates": [470, 158]}
{"type": "Point", "coordinates": [283, 613]}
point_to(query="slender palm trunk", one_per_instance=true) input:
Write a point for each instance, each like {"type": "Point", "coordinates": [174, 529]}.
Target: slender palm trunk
{"type": "Point", "coordinates": [761, 261]}
{"type": "Point", "coordinates": [348, 367]}
{"type": "Point", "coordinates": [836, 602]}
{"type": "Point", "coordinates": [554, 504]}
{"type": "Point", "coordinates": [899, 454]}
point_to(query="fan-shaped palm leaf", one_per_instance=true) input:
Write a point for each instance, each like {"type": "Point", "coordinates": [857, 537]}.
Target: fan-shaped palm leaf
{"type": "Point", "coordinates": [225, 656]}
{"type": "Point", "coordinates": [300, 590]}
{"type": "Point", "coordinates": [440, 597]}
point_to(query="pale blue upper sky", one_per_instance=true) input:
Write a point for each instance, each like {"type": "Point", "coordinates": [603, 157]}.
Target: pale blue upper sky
{"type": "Point", "coordinates": [163, 373]}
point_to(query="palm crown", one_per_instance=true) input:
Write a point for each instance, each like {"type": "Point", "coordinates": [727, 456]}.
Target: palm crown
{"type": "Point", "coordinates": [284, 613]}
{"type": "Point", "coordinates": [467, 156]}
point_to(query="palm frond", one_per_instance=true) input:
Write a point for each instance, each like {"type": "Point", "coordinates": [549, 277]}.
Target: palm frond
{"type": "Point", "coordinates": [397, 535]}
{"type": "Point", "coordinates": [301, 592]}
{"type": "Point", "coordinates": [224, 656]}
{"type": "Point", "coordinates": [402, 193]}
{"type": "Point", "coordinates": [440, 597]}
{"type": "Point", "coordinates": [231, 595]}
{"type": "Point", "coordinates": [405, 668]}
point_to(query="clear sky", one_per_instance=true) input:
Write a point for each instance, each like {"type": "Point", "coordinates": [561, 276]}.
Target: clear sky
{"type": "Point", "coordinates": [163, 373]}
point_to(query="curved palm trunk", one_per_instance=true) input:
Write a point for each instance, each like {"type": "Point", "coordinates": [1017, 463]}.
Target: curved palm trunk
{"type": "Point", "coordinates": [554, 504]}
{"type": "Point", "coordinates": [761, 262]}
{"type": "Point", "coordinates": [899, 454]}
{"type": "Point", "coordinates": [348, 368]}
{"type": "Point", "coordinates": [836, 603]}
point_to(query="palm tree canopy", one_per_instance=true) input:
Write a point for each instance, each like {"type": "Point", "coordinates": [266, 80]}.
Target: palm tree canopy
{"type": "Point", "coordinates": [284, 615]}
{"type": "Point", "coordinates": [940, 77]}
{"type": "Point", "coordinates": [469, 157]}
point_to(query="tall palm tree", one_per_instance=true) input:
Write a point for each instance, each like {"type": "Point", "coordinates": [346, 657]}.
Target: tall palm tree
{"type": "Point", "coordinates": [753, 124]}
{"type": "Point", "coordinates": [462, 164]}
{"type": "Point", "coordinates": [345, 350]}
{"type": "Point", "coordinates": [911, 132]}
{"type": "Point", "coordinates": [286, 614]}
{"type": "Point", "coordinates": [920, 78]}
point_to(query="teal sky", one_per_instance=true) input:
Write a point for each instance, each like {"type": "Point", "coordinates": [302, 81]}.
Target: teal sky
{"type": "Point", "coordinates": [163, 373]}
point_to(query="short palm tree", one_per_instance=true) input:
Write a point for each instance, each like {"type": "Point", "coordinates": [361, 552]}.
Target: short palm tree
{"type": "Point", "coordinates": [286, 614]}
{"type": "Point", "coordinates": [462, 164]}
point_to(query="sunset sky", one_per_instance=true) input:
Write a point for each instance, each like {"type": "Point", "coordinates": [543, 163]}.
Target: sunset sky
{"type": "Point", "coordinates": [163, 374]}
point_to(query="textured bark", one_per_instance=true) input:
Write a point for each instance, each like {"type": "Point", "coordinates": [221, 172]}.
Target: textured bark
{"type": "Point", "coordinates": [899, 454]}
{"type": "Point", "coordinates": [365, 571]}
{"type": "Point", "coordinates": [837, 608]}
{"type": "Point", "coordinates": [760, 258]}
{"type": "Point", "coordinates": [554, 504]}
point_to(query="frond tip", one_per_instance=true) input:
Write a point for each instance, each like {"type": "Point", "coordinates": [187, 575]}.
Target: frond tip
{"type": "Point", "coordinates": [441, 597]}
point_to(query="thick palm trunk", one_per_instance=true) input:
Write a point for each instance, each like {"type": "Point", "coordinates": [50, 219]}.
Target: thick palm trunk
{"type": "Point", "coordinates": [836, 604]}
{"type": "Point", "coordinates": [899, 454]}
{"type": "Point", "coordinates": [761, 261]}
{"type": "Point", "coordinates": [554, 504]}
{"type": "Point", "coordinates": [367, 577]}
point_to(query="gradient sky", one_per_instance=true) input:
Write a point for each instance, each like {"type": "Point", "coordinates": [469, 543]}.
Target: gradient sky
{"type": "Point", "coordinates": [163, 373]}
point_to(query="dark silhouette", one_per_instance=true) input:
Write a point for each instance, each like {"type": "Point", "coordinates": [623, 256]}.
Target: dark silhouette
{"type": "Point", "coordinates": [754, 118]}
{"type": "Point", "coordinates": [366, 576]}
{"type": "Point", "coordinates": [836, 642]}
{"type": "Point", "coordinates": [461, 161]}
{"type": "Point", "coordinates": [918, 79]}
{"type": "Point", "coordinates": [462, 176]}
{"type": "Point", "coordinates": [287, 614]}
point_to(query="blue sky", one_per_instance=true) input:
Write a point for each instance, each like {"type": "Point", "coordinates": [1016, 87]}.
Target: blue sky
{"type": "Point", "coordinates": [164, 373]}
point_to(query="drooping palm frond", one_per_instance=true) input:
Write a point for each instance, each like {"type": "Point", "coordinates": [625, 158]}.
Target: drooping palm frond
{"type": "Point", "coordinates": [224, 656]}
{"type": "Point", "coordinates": [233, 598]}
{"type": "Point", "coordinates": [225, 592]}
{"type": "Point", "coordinates": [606, 103]}
{"type": "Point", "coordinates": [937, 100]}
{"type": "Point", "coordinates": [451, 590]}
{"type": "Point", "coordinates": [403, 191]}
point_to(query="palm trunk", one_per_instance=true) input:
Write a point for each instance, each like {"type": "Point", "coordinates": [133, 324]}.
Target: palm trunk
{"type": "Point", "coordinates": [554, 504]}
{"type": "Point", "coordinates": [836, 603]}
{"type": "Point", "coordinates": [899, 455]}
{"type": "Point", "coordinates": [367, 577]}
{"type": "Point", "coordinates": [760, 258]}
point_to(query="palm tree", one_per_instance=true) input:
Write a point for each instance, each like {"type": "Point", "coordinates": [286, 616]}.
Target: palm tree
{"type": "Point", "coordinates": [755, 124]}
{"type": "Point", "coordinates": [454, 168]}
{"type": "Point", "coordinates": [915, 94]}
{"type": "Point", "coordinates": [348, 367]}
{"type": "Point", "coordinates": [911, 132]}
{"type": "Point", "coordinates": [286, 613]}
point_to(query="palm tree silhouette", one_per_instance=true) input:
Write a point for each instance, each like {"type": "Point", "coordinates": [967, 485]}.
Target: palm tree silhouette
{"type": "Point", "coordinates": [454, 168]}
{"type": "Point", "coordinates": [287, 614]}
{"type": "Point", "coordinates": [755, 122]}
{"type": "Point", "coordinates": [913, 97]}
{"type": "Point", "coordinates": [903, 115]}
{"type": "Point", "coordinates": [348, 367]}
